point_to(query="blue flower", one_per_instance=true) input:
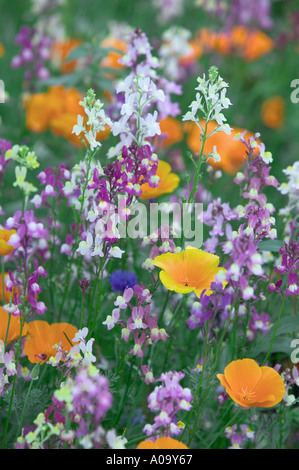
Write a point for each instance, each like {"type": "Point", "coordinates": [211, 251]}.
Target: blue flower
{"type": "Point", "coordinates": [119, 280]}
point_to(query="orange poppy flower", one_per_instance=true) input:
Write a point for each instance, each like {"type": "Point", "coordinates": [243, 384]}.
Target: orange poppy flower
{"type": "Point", "coordinates": [14, 327]}
{"type": "Point", "coordinates": [195, 53]}
{"type": "Point", "coordinates": [63, 126]}
{"type": "Point", "coordinates": [172, 129]}
{"type": "Point", "coordinates": [111, 61]}
{"type": "Point", "coordinates": [57, 109]}
{"type": "Point", "coordinates": [5, 248]}
{"type": "Point", "coordinates": [38, 113]}
{"type": "Point", "coordinates": [41, 337]}
{"type": "Point", "coordinates": [168, 182]}
{"type": "Point", "coordinates": [257, 45]}
{"type": "Point", "coordinates": [42, 107]}
{"type": "Point", "coordinates": [1, 50]}
{"type": "Point", "coordinates": [248, 44]}
{"type": "Point", "coordinates": [232, 151]}
{"type": "Point", "coordinates": [192, 270]}
{"type": "Point", "coordinates": [250, 385]}
{"type": "Point", "coordinates": [162, 443]}
{"type": "Point", "coordinates": [273, 111]}
{"type": "Point", "coordinates": [60, 52]}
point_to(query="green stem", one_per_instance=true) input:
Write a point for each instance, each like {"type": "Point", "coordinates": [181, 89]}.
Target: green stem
{"type": "Point", "coordinates": [7, 330]}
{"type": "Point", "coordinates": [90, 155]}
{"type": "Point", "coordinates": [92, 297]}
{"type": "Point", "coordinates": [99, 295]}
{"type": "Point", "coordinates": [125, 396]}
{"type": "Point", "coordinates": [3, 280]}
{"type": "Point", "coordinates": [82, 310]}
{"type": "Point", "coordinates": [274, 334]}
{"type": "Point", "coordinates": [175, 314]}
{"type": "Point", "coordinates": [197, 396]}
{"type": "Point", "coordinates": [164, 307]}
{"type": "Point", "coordinates": [200, 161]}
{"type": "Point", "coordinates": [232, 420]}
{"type": "Point", "coordinates": [24, 409]}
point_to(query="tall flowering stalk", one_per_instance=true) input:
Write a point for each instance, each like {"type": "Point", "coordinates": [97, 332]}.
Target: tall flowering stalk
{"type": "Point", "coordinates": [76, 189]}
{"type": "Point", "coordinates": [24, 284]}
{"type": "Point", "coordinates": [167, 401]}
{"type": "Point", "coordinates": [34, 55]}
{"type": "Point", "coordinates": [209, 103]}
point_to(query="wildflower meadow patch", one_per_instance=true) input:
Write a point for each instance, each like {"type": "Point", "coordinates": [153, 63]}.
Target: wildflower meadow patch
{"type": "Point", "coordinates": [149, 201]}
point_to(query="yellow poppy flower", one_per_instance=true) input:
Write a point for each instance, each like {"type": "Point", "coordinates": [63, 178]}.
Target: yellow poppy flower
{"type": "Point", "coordinates": [168, 182]}
{"type": "Point", "coordinates": [5, 235]}
{"type": "Point", "coordinates": [192, 270]}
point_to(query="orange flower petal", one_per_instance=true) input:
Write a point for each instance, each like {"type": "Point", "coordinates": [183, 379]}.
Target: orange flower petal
{"type": "Point", "coordinates": [14, 327]}
{"type": "Point", "coordinates": [250, 385]}
{"type": "Point", "coordinates": [168, 182]}
{"type": "Point", "coordinates": [162, 443]}
{"type": "Point", "coordinates": [242, 373]}
{"type": "Point", "coordinates": [60, 52]}
{"type": "Point", "coordinates": [270, 389]}
{"type": "Point", "coordinates": [7, 293]}
{"type": "Point", "coordinates": [41, 337]}
{"type": "Point", "coordinates": [172, 129]}
{"type": "Point", "coordinates": [232, 152]}
{"type": "Point", "coordinates": [273, 112]}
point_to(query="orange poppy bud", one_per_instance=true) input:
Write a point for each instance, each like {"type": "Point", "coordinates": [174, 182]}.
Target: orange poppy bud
{"type": "Point", "coordinates": [273, 112]}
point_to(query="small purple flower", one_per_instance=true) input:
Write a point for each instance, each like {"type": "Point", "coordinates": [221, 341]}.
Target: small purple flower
{"type": "Point", "coordinates": [259, 323]}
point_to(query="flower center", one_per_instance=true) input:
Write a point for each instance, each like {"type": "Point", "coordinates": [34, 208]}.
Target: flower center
{"type": "Point", "coordinates": [247, 395]}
